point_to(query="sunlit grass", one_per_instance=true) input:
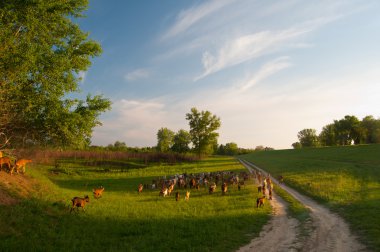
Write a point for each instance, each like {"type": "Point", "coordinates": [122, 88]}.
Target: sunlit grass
{"type": "Point", "coordinates": [346, 179]}
{"type": "Point", "coordinates": [123, 220]}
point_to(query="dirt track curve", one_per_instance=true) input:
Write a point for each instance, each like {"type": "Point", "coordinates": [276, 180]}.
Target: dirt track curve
{"type": "Point", "coordinates": [327, 232]}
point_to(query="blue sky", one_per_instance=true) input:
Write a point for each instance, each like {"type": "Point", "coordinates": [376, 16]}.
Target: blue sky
{"type": "Point", "coordinates": [268, 69]}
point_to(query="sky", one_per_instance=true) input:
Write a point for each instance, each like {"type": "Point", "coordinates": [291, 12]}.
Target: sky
{"type": "Point", "coordinates": [267, 69]}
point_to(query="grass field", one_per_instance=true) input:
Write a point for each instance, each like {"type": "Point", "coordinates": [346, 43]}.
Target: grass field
{"type": "Point", "coordinates": [123, 220]}
{"type": "Point", "coordinates": [346, 179]}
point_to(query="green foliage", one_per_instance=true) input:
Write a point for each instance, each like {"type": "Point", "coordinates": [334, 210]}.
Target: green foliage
{"type": "Point", "coordinates": [308, 138]}
{"type": "Point", "coordinates": [181, 140]}
{"type": "Point", "coordinates": [165, 139]}
{"type": "Point", "coordinates": [42, 52]}
{"type": "Point", "coordinates": [203, 126]}
{"type": "Point", "coordinates": [346, 179]}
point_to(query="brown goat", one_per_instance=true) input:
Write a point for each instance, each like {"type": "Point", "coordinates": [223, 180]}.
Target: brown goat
{"type": "Point", "coordinates": [21, 163]}
{"type": "Point", "coordinates": [177, 196]}
{"type": "Point", "coordinates": [7, 161]}
{"type": "Point", "coordinates": [79, 202]}
{"type": "Point", "coordinates": [140, 188]}
{"type": "Point", "coordinates": [224, 188]}
{"type": "Point", "coordinates": [260, 201]}
{"type": "Point", "coordinates": [212, 188]}
{"type": "Point", "coordinates": [187, 197]}
{"type": "Point", "coordinates": [170, 189]}
{"type": "Point", "coordinates": [98, 192]}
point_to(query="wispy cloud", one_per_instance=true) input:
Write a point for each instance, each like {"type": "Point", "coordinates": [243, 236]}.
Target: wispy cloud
{"type": "Point", "coordinates": [248, 47]}
{"type": "Point", "coordinates": [266, 71]}
{"type": "Point", "coordinates": [189, 17]}
{"type": "Point", "coordinates": [137, 74]}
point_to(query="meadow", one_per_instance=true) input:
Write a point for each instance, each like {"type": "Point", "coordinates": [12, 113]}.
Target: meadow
{"type": "Point", "coordinates": [345, 179]}
{"type": "Point", "coordinates": [123, 220]}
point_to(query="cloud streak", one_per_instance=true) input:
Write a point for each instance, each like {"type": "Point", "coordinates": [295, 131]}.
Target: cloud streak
{"type": "Point", "coordinates": [137, 75]}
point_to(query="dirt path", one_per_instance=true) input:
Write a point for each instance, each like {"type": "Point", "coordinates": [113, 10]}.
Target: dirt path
{"type": "Point", "coordinates": [329, 232]}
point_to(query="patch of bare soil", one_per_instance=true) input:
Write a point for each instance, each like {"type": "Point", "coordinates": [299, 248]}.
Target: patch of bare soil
{"type": "Point", "coordinates": [329, 232]}
{"type": "Point", "coordinates": [15, 187]}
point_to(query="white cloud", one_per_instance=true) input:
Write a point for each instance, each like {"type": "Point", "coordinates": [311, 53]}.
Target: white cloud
{"type": "Point", "coordinates": [137, 74]}
{"type": "Point", "coordinates": [189, 17]}
{"type": "Point", "coordinates": [266, 71]}
{"type": "Point", "coordinates": [249, 47]}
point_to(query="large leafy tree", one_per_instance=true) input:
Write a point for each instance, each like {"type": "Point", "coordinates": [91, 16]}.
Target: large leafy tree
{"type": "Point", "coordinates": [165, 138]}
{"type": "Point", "coordinates": [42, 52]}
{"type": "Point", "coordinates": [203, 126]}
{"type": "Point", "coordinates": [181, 141]}
{"type": "Point", "coordinates": [308, 138]}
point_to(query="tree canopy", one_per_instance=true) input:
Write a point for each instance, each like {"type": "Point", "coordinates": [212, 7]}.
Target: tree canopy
{"type": "Point", "coordinates": [203, 126]}
{"type": "Point", "coordinates": [42, 53]}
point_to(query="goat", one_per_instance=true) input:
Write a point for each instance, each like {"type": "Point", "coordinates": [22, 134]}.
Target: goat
{"type": "Point", "coordinates": [98, 192]}
{"type": "Point", "coordinates": [187, 197]}
{"type": "Point", "coordinates": [224, 188]}
{"type": "Point", "coordinates": [140, 188]}
{"type": "Point", "coordinates": [21, 163]}
{"type": "Point", "coordinates": [170, 189]}
{"type": "Point", "coordinates": [212, 188]}
{"type": "Point", "coordinates": [79, 202]}
{"type": "Point", "coordinates": [7, 161]}
{"type": "Point", "coordinates": [164, 192]}
{"type": "Point", "coordinates": [260, 201]}
{"type": "Point", "coordinates": [177, 196]}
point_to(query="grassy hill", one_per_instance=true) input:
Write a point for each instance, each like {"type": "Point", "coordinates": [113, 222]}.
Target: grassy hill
{"type": "Point", "coordinates": [346, 179]}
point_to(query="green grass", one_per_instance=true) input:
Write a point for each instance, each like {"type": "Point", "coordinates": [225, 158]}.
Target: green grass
{"type": "Point", "coordinates": [345, 179]}
{"type": "Point", "coordinates": [123, 220]}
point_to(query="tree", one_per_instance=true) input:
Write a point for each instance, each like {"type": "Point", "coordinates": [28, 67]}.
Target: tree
{"type": "Point", "coordinates": [181, 141]}
{"type": "Point", "coordinates": [327, 137]}
{"type": "Point", "coordinates": [231, 149]}
{"type": "Point", "coordinates": [308, 138]}
{"type": "Point", "coordinates": [42, 52]}
{"type": "Point", "coordinates": [203, 126]}
{"type": "Point", "coordinates": [348, 129]}
{"type": "Point", "coordinates": [371, 128]}
{"type": "Point", "coordinates": [165, 138]}
{"type": "Point", "coordinates": [296, 145]}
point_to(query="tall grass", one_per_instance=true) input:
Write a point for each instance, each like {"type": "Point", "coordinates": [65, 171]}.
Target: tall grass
{"type": "Point", "coordinates": [123, 220]}
{"type": "Point", "coordinates": [346, 179]}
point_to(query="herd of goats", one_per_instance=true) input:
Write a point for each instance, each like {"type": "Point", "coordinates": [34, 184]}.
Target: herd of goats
{"type": "Point", "coordinates": [196, 181]}
{"type": "Point", "coordinates": [17, 165]}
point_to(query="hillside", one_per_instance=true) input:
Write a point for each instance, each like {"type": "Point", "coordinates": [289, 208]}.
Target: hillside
{"type": "Point", "coordinates": [345, 179]}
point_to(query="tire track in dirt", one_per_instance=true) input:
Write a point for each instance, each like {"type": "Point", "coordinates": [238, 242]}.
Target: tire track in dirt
{"type": "Point", "coordinates": [329, 231]}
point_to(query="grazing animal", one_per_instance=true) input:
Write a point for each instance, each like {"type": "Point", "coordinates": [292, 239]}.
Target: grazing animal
{"type": "Point", "coordinates": [270, 194]}
{"type": "Point", "coordinates": [21, 163]}
{"type": "Point", "coordinates": [177, 196]}
{"type": "Point", "coordinates": [260, 202]}
{"type": "Point", "coordinates": [187, 197]}
{"type": "Point", "coordinates": [79, 202]}
{"type": "Point", "coordinates": [140, 188]}
{"type": "Point", "coordinates": [164, 192]}
{"type": "Point", "coordinates": [7, 161]}
{"type": "Point", "coordinates": [224, 188]}
{"type": "Point", "coordinates": [170, 189]}
{"type": "Point", "coordinates": [98, 192]}
{"type": "Point", "coordinates": [259, 188]}
{"type": "Point", "coordinates": [212, 188]}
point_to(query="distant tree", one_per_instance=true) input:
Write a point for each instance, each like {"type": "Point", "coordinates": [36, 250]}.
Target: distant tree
{"type": "Point", "coordinates": [165, 139]}
{"type": "Point", "coordinates": [259, 148]}
{"type": "Point", "coordinates": [181, 141]}
{"type": "Point", "coordinates": [308, 138]}
{"type": "Point", "coordinates": [371, 128]}
{"type": "Point", "coordinates": [327, 137]}
{"type": "Point", "coordinates": [348, 129]}
{"type": "Point", "coordinates": [203, 126]}
{"type": "Point", "coordinates": [231, 149]}
{"type": "Point", "coordinates": [296, 145]}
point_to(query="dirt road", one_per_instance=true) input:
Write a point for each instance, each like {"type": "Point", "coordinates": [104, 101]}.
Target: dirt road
{"type": "Point", "coordinates": [327, 232]}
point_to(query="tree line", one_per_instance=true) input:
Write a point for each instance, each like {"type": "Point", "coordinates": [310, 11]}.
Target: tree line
{"type": "Point", "coordinates": [346, 131]}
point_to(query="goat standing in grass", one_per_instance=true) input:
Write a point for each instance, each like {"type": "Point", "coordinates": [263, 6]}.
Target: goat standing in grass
{"type": "Point", "coordinates": [140, 188]}
{"type": "Point", "coordinates": [79, 202]}
{"type": "Point", "coordinates": [98, 192]}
